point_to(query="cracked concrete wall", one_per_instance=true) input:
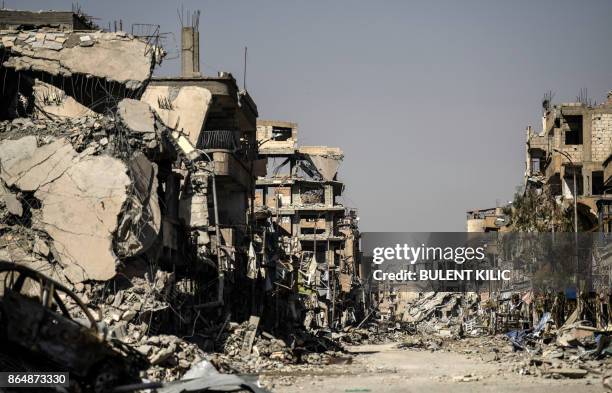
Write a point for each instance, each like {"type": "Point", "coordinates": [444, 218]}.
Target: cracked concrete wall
{"type": "Point", "coordinates": [601, 144]}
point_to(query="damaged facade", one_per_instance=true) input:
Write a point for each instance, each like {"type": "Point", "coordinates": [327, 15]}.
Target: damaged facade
{"type": "Point", "coordinates": [140, 194]}
{"type": "Point", "coordinates": [311, 234]}
{"type": "Point", "coordinates": [575, 140]}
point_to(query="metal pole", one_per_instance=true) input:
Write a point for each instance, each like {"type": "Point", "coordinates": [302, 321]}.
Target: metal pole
{"type": "Point", "coordinates": [575, 203]}
{"type": "Point", "coordinates": [221, 274]}
{"type": "Point", "coordinates": [575, 221]}
{"type": "Point", "coordinates": [564, 154]}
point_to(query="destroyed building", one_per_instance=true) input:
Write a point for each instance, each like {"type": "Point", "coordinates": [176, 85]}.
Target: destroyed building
{"type": "Point", "coordinates": [298, 200]}
{"type": "Point", "coordinates": [567, 190]}
{"type": "Point", "coordinates": [140, 193]}
{"type": "Point", "coordinates": [575, 142]}
{"type": "Point", "coordinates": [56, 90]}
{"type": "Point", "coordinates": [215, 121]}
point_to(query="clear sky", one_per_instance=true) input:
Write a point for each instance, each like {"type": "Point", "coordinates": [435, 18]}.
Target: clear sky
{"type": "Point", "coordinates": [429, 100]}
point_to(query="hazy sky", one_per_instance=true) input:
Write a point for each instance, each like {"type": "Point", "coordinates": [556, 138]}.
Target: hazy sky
{"type": "Point", "coordinates": [429, 100]}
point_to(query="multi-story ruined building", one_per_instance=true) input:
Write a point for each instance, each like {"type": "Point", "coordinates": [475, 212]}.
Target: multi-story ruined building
{"type": "Point", "coordinates": [213, 120]}
{"type": "Point", "coordinates": [298, 199]}
{"type": "Point", "coordinates": [172, 169]}
{"type": "Point", "coordinates": [575, 142]}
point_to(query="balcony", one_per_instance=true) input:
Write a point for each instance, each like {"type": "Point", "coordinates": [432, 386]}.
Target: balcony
{"type": "Point", "coordinates": [230, 152]}
{"type": "Point", "coordinates": [220, 140]}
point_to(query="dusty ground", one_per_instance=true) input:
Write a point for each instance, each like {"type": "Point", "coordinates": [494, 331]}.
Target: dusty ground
{"type": "Point", "coordinates": [383, 368]}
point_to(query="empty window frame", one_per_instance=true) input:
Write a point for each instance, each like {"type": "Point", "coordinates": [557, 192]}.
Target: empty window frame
{"type": "Point", "coordinates": [573, 133]}
{"type": "Point", "coordinates": [281, 133]}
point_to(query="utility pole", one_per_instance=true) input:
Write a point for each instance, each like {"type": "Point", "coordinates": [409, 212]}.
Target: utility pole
{"type": "Point", "coordinates": [564, 154]}
{"type": "Point", "coordinates": [245, 69]}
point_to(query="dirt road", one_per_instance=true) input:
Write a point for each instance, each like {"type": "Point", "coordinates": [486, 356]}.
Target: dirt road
{"type": "Point", "coordinates": [383, 368]}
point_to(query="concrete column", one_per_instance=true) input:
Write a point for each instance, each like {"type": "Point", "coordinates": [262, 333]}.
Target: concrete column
{"type": "Point", "coordinates": [329, 195]}
{"type": "Point", "coordinates": [587, 135]}
{"type": "Point", "coordinates": [295, 194]}
{"type": "Point", "coordinates": [196, 51]}
{"type": "Point", "coordinates": [186, 51]}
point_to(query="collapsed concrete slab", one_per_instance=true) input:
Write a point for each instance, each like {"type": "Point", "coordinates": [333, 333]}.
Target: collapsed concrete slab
{"type": "Point", "coordinates": [53, 102]}
{"type": "Point", "coordinates": [136, 115]}
{"type": "Point", "coordinates": [11, 151]}
{"type": "Point", "coordinates": [114, 57]}
{"type": "Point", "coordinates": [325, 159]}
{"type": "Point", "coordinates": [183, 109]}
{"type": "Point", "coordinates": [139, 121]}
{"type": "Point", "coordinates": [80, 212]}
{"type": "Point", "coordinates": [30, 167]}
{"type": "Point", "coordinates": [81, 197]}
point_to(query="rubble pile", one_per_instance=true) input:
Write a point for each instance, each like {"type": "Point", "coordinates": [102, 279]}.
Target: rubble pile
{"type": "Point", "coordinates": [574, 350]}
{"type": "Point", "coordinates": [68, 195]}
{"type": "Point", "coordinates": [375, 333]}
{"type": "Point", "coordinates": [140, 305]}
{"type": "Point", "coordinates": [91, 133]}
{"type": "Point", "coordinates": [95, 133]}
{"type": "Point", "coordinates": [548, 361]}
{"type": "Point", "coordinates": [436, 314]}
{"type": "Point", "coordinates": [269, 353]}
{"type": "Point", "coordinates": [134, 315]}
{"type": "Point", "coordinates": [170, 356]}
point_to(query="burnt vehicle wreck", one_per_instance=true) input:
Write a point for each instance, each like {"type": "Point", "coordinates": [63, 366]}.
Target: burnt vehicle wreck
{"type": "Point", "coordinates": [37, 327]}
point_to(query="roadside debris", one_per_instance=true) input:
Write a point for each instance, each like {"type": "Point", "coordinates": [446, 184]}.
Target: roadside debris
{"type": "Point", "coordinates": [438, 323]}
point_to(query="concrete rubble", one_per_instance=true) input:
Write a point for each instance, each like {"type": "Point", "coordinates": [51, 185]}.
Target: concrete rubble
{"type": "Point", "coordinates": [72, 191]}
{"type": "Point", "coordinates": [462, 323]}
{"type": "Point", "coordinates": [138, 193]}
